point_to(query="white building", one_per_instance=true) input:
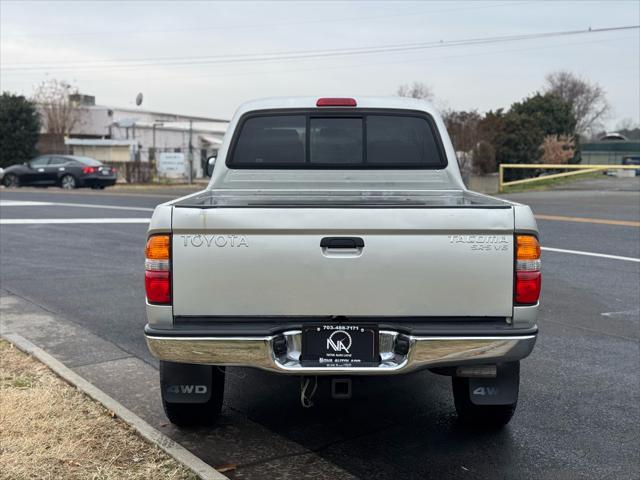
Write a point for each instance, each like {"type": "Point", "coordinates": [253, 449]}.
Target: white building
{"type": "Point", "coordinates": [121, 135]}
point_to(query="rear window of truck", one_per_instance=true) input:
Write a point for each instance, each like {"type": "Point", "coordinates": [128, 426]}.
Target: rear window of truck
{"type": "Point", "coordinates": [333, 140]}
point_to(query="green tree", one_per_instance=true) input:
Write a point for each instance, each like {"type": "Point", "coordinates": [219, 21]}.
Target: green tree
{"type": "Point", "coordinates": [491, 126]}
{"type": "Point", "coordinates": [551, 113]}
{"type": "Point", "coordinates": [520, 139]}
{"type": "Point", "coordinates": [19, 129]}
{"type": "Point", "coordinates": [525, 126]}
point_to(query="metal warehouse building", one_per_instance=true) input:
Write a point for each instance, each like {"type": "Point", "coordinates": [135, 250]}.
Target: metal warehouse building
{"type": "Point", "coordinates": [610, 150]}
{"type": "Point", "coordinates": [135, 136]}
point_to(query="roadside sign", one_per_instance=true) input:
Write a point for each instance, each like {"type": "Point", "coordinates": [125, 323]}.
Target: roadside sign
{"type": "Point", "coordinates": [171, 164]}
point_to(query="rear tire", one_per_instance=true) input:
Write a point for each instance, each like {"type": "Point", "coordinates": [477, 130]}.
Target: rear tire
{"type": "Point", "coordinates": [68, 182]}
{"type": "Point", "coordinates": [11, 180]}
{"type": "Point", "coordinates": [194, 414]}
{"type": "Point", "coordinates": [490, 417]}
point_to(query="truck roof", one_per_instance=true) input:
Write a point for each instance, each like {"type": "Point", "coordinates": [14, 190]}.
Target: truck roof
{"type": "Point", "coordinates": [272, 103]}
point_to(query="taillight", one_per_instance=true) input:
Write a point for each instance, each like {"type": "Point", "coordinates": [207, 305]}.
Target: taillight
{"type": "Point", "coordinates": [528, 276]}
{"type": "Point", "coordinates": [157, 269]}
{"type": "Point", "coordinates": [89, 170]}
{"type": "Point", "coordinates": [336, 102]}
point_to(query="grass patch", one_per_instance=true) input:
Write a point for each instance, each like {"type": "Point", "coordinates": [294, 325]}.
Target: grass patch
{"type": "Point", "coordinates": [543, 184]}
{"type": "Point", "coordinates": [51, 430]}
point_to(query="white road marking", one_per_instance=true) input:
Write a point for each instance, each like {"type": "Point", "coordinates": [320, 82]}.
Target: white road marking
{"type": "Point", "coordinates": [110, 207]}
{"type": "Point", "coordinates": [624, 312]}
{"type": "Point", "coordinates": [591, 254]}
{"type": "Point", "coordinates": [59, 221]}
{"type": "Point", "coordinates": [18, 203]}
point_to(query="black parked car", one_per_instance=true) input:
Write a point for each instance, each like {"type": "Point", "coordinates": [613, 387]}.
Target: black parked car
{"type": "Point", "coordinates": [65, 171]}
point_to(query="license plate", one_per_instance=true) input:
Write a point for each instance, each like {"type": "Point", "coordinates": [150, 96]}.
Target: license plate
{"type": "Point", "coordinates": [339, 345]}
{"type": "Point", "coordinates": [106, 172]}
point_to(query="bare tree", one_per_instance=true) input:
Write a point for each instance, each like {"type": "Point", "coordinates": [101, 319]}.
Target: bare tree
{"type": "Point", "coordinates": [557, 149]}
{"type": "Point", "coordinates": [627, 124]}
{"type": "Point", "coordinates": [484, 158]}
{"type": "Point", "coordinates": [415, 90]}
{"type": "Point", "coordinates": [59, 114]}
{"type": "Point", "coordinates": [588, 100]}
{"type": "Point", "coordinates": [463, 128]}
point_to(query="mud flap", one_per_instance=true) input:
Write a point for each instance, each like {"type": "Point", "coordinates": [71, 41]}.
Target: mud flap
{"type": "Point", "coordinates": [501, 390]}
{"type": "Point", "coordinates": [185, 383]}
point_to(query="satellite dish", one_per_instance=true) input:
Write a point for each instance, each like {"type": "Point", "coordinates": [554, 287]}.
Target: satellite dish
{"type": "Point", "coordinates": [139, 99]}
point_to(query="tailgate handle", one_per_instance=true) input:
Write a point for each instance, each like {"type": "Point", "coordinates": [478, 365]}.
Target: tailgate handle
{"type": "Point", "coordinates": [342, 242]}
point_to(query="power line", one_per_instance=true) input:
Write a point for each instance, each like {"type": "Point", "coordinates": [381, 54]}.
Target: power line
{"type": "Point", "coordinates": [304, 54]}
{"type": "Point", "coordinates": [373, 64]}
{"type": "Point", "coordinates": [335, 19]}
{"type": "Point", "coordinates": [384, 62]}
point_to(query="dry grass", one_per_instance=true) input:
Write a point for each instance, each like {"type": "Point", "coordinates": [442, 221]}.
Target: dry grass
{"type": "Point", "coordinates": [50, 430]}
{"type": "Point", "coordinates": [548, 184]}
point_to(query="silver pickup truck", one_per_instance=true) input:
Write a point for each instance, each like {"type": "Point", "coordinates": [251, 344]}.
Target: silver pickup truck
{"type": "Point", "coordinates": [337, 238]}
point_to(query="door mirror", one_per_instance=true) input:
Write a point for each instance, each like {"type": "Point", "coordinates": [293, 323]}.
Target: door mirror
{"type": "Point", "coordinates": [211, 162]}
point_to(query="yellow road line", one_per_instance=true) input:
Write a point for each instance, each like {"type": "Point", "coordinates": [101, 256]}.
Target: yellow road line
{"type": "Point", "coordinates": [601, 221]}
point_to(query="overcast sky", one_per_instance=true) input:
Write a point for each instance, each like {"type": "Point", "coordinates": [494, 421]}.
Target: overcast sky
{"type": "Point", "coordinates": [114, 50]}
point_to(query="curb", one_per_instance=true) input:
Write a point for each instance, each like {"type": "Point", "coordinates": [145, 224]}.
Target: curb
{"type": "Point", "coordinates": [175, 450]}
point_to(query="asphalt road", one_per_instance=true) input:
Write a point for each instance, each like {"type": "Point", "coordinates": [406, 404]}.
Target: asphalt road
{"type": "Point", "coordinates": [579, 398]}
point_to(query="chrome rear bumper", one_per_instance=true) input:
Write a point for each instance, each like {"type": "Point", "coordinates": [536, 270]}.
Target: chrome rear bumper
{"type": "Point", "coordinates": [424, 352]}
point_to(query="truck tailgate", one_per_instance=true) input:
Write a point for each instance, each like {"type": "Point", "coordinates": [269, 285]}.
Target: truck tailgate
{"type": "Point", "coordinates": [415, 262]}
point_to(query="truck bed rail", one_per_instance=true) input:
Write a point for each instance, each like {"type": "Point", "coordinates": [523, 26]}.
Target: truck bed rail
{"type": "Point", "coordinates": [338, 199]}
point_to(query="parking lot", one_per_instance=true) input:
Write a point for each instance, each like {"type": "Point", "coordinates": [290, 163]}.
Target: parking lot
{"type": "Point", "coordinates": [72, 282]}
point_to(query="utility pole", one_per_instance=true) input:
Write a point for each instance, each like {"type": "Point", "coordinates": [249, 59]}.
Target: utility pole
{"type": "Point", "coordinates": [190, 152]}
{"type": "Point", "coordinates": [153, 130]}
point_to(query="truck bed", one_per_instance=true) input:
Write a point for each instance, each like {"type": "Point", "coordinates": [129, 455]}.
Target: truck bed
{"type": "Point", "coordinates": [422, 253]}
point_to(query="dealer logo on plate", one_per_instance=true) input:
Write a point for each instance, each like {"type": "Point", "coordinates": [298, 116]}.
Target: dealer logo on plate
{"type": "Point", "coordinates": [339, 341]}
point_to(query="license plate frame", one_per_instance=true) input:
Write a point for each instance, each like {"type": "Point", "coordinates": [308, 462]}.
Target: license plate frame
{"type": "Point", "coordinates": [334, 345]}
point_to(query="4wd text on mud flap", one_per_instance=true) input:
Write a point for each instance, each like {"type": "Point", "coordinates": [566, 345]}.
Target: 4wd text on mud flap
{"type": "Point", "coordinates": [199, 389]}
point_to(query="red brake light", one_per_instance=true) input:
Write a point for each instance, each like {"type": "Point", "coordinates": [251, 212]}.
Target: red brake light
{"type": "Point", "coordinates": [336, 102]}
{"type": "Point", "coordinates": [157, 275]}
{"type": "Point", "coordinates": [528, 276]}
{"type": "Point", "coordinates": [89, 170]}
{"type": "Point", "coordinates": [158, 286]}
{"type": "Point", "coordinates": [528, 287]}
